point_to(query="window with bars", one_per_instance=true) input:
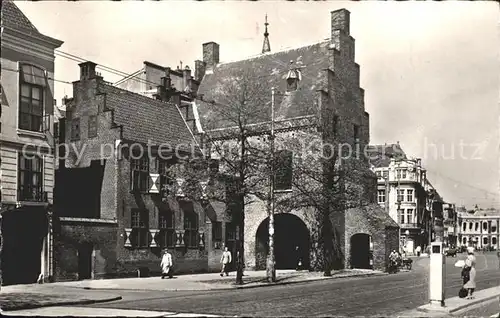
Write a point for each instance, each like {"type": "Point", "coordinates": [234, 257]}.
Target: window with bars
{"type": "Point", "coordinates": [92, 127]}
{"type": "Point", "coordinates": [31, 107]}
{"type": "Point", "coordinates": [139, 174]}
{"type": "Point", "coordinates": [217, 234]}
{"type": "Point", "coordinates": [283, 170]}
{"type": "Point", "coordinates": [139, 236]}
{"type": "Point", "coordinates": [191, 229]}
{"type": "Point", "coordinates": [30, 172]}
{"type": "Point", "coordinates": [409, 195]}
{"type": "Point", "coordinates": [75, 129]}
{"type": "Point", "coordinates": [381, 196]}
{"type": "Point", "coordinates": [167, 229]}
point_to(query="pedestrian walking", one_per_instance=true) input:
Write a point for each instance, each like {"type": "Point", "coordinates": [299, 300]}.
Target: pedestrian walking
{"type": "Point", "coordinates": [225, 260]}
{"type": "Point", "coordinates": [418, 250]}
{"type": "Point", "coordinates": [166, 265]}
{"type": "Point", "coordinates": [470, 267]}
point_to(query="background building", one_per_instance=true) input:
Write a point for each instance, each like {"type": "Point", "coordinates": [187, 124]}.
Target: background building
{"type": "Point", "coordinates": [26, 147]}
{"type": "Point", "coordinates": [478, 228]}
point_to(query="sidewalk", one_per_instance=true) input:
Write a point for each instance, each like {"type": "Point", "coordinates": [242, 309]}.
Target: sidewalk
{"type": "Point", "coordinates": [211, 281]}
{"type": "Point", "coordinates": [454, 306]}
{"type": "Point", "coordinates": [98, 312]}
{"type": "Point", "coordinates": [19, 297]}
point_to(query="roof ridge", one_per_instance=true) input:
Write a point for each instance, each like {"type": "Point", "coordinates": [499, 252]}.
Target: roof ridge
{"type": "Point", "coordinates": [271, 53]}
{"type": "Point", "coordinates": [139, 95]}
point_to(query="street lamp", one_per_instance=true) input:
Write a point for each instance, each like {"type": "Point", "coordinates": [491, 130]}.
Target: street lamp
{"type": "Point", "coordinates": [270, 268]}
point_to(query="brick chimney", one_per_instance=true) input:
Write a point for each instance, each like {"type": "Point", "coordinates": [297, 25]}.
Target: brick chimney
{"type": "Point", "coordinates": [340, 21]}
{"type": "Point", "coordinates": [87, 70]}
{"type": "Point", "coordinates": [210, 54]}
{"type": "Point", "coordinates": [199, 70]}
{"type": "Point", "coordinates": [186, 78]}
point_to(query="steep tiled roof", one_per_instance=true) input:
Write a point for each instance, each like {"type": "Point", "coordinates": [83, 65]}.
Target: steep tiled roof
{"type": "Point", "coordinates": [374, 215]}
{"type": "Point", "coordinates": [270, 70]}
{"type": "Point", "coordinates": [146, 119]}
{"type": "Point", "coordinates": [13, 17]}
{"type": "Point", "coordinates": [380, 155]}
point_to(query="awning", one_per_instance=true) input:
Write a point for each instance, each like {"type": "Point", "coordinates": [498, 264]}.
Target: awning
{"type": "Point", "coordinates": [33, 75]}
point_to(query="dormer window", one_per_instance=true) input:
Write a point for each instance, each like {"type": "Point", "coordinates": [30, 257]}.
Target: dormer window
{"type": "Point", "coordinates": [292, 80]}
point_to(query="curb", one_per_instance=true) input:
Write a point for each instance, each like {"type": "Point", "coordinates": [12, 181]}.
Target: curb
{"type": "Point", "coordinates": [241, 287]}
{"type": "Point", "coordinates": [64, 303]}
{"type": "Point", "coordinates": [469, 303]}
{"type": "Point", "coordinates": [305, 281]}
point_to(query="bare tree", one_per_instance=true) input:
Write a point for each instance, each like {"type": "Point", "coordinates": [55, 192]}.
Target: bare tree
{"type": "Point", "coordinates": [231, 120]}
{"type": "Point", "coordinates": [327, 178]}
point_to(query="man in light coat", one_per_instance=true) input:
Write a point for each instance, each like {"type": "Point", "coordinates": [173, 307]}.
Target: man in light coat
{"type": "Point", "coordinates": [166, 265]}
{"type": "Point", "coordinates": [225, 260]}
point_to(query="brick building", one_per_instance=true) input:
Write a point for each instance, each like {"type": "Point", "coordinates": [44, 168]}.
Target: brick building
{"type": "Point", "coordinates": [117, 207]}
{"type": "Point", "coordinates": [319, 99]}
{"type": "Point", "coordinates": [26, 147]}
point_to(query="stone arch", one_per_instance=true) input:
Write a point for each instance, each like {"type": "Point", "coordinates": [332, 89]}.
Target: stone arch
{"type": "Point", "coordinates": [361, 251]}
{"type": "Point", "coordinates": [292, 242]}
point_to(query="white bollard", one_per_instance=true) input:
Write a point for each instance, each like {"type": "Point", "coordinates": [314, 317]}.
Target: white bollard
{"type": "Point", "coordinates": [436, 274]}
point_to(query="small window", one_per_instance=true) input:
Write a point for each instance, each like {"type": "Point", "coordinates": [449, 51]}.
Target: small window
{"type": "Point", "coordinates": [140, 228]}
{"type": "Point", "coordinates": [485, 241]}
{"type": "Point", "coordinates": [31, 107]}
{"type": "Point", "coordinates": [386, 174]}
{"type": "Point", "coordinates": [401, 195]}
{"type": "Point", "coordinates": [140, 174]}
{"type": "Point", "coordinates": [494, 240]}
{"type": "Point", "coordinates": [335, 125]}
{"type": "Point", "coordinates": [284, 170]}
{"type": "Point", "coordinates": [217, 234]}
{"type": "Point", "coordinates": [92, 126]}
{"type": "Point", "coordinates": [30, 172]}
{"type": "Point", "coordinates": [75, 129]}
{"type": "Point", "coordinates": [401, 216]}
{"type": "Point", "coordinates": [464, 226]}
{"type": "Point", "coordinates": [485, 226]}
{"type": "Point", "coordinates": [381, 196]}
{"type": "Point", "coordinates": [356, 134]}
{"type": "Point", "coordinates": [464, 240]}
{"type": "Point", "coordinates": [409, 195]}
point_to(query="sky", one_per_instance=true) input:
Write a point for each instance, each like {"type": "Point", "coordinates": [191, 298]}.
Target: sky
{"type": "Point", "coordinates": [430, 70]}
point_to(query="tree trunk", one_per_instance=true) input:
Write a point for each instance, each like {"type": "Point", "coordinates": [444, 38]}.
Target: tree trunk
{"type": "Point", "coordinates": [270, 264]}
{"type": "Point", "coordinates": [240, 251]}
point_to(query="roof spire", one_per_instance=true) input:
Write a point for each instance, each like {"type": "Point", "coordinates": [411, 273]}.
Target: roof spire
{"type": "Point", "coordinates": [266, 47]}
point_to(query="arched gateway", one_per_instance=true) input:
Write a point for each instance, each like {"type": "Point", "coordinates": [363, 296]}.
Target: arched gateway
{"type": "Point", "coordinates": [290, 232]}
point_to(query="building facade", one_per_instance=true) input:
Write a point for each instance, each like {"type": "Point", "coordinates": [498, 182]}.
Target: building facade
{"type": "Point", "coordinates": [478, 228]}
{"type": "Point", "coordinates": [450, 224]}
{"type": "Point", "coordinates": [402, 193]}
{"type": "Point", "coordinates": [318, 92]}
{"type": "Point", "coordinates": [126, 151]}
{"type": "Point", "coordinates": [26, 148]}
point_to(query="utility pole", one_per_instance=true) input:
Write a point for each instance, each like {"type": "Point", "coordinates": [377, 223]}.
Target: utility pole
{"type": "Point", "coordinates": [270, 268]}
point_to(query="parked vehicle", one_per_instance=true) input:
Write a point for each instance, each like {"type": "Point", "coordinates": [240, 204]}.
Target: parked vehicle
{"type": "Point", "coordinates": [451, 252]}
